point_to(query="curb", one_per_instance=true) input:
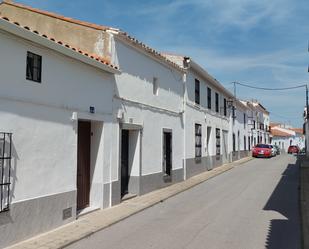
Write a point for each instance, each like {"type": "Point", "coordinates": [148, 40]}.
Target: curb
{"type": "Point", "coordinates": [94, 222]}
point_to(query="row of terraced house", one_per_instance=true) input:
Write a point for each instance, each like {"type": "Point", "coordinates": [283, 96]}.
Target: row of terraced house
{"type": "Point", "coordinates": [90, 116]}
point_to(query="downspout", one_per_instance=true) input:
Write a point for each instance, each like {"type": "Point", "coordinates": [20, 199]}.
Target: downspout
{"type": "Point", "coordinates": [186, 65]}
{"type": "Point", "coordinates": [184, 79]}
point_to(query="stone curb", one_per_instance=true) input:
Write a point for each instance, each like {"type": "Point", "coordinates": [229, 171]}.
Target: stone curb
{"type": "Point", "coordinates": [94, 222]}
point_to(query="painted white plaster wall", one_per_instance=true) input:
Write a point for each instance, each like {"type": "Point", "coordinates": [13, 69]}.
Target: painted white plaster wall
{"type": "Point", "coordinates": [96, 172]}
{"type": "Point", "coordinates": [134, 152]}
{"type": "Point", "coordinates": [284, 142]}
{"type": "Point", "coordinates": [39, 115]}
{"type": "Point", "coordinates": [200, 114]}
{"type": "Point", "coordinates": [136, 81]}
{"type": "Point", "coordinates": [66, 83]}
{"type": "Point", "coordinates": [139, 106]}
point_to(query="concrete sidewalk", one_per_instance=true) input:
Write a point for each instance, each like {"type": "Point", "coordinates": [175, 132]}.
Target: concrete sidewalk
{"type": "Point", "coordinates": [98, 220]}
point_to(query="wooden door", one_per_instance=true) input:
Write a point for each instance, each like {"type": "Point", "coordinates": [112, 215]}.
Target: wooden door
{"type": "Point", "coordinates": [83, 164]}
{"type": "Point", "coordinates": [124, 162]}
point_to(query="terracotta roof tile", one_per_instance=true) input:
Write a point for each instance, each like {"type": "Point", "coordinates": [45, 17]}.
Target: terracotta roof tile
{"type": "Point", "coordinates": [278, 133]}
{"type": "Point", "coordinates": [62, 44]}
{"type": "Point", "coordinates": [98, 27]}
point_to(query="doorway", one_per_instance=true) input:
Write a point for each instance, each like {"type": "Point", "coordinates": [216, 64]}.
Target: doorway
{"type": "Point", "coordinates": [124, 162]}
{"type": "Point", "coordinates": [167, 153]}
{"type": "Point", "coordinates": [225, 146]}
{"type": "Point", "coordinates": [83, 164]}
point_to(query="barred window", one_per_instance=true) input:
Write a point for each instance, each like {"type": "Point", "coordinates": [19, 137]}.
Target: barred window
{"type": "Point", "coordinates": [198, 140]}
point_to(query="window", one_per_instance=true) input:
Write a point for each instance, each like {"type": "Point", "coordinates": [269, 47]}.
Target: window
{"type": "Point", "coordinates": [155, 86]}
{"type": "Point", "coordinates": [217, 102]}
{"type": "Point", "coordinates": [224, 106]}
{"type": "Point", "coordinates": [218, 143]}
{"type": "Point", "coordinates": [245, 146]}
{"type": "Point", "coordinates": [244, 120]}
{"type": "Point", "coordinates": [234, 113]}
{"type": "Point", "coordinates": [34, 67]}
{"type": "Point", "coordinates": [197, 91]}
{"type": "Point", "coordinates": [234, 142]}
{"type": "Point", "coordinates": [254, 124]}
{"type": "Point", "coordinates": [209, 98]}
{"type": "Point", "coordinates": [5, 169]}
{"type": "Point", "coordinates": [198, 140]}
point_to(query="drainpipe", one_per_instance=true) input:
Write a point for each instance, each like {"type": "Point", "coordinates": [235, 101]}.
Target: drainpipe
{"type": "Point", "coordinates": [184, 79]}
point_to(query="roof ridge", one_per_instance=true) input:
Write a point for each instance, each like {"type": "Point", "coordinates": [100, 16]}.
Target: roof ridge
{"type": "Point", "coordinates": [61, 17]}
{"type": "Point", "coordinates": [89, 55]}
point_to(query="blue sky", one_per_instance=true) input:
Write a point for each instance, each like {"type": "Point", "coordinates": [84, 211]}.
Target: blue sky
{"type": "Point", "coordinates": [259, 42]}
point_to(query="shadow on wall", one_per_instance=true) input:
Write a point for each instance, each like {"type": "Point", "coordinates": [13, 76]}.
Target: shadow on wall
{"type": "Point", "coordinates": [285, 233]}
{"type": "Point", "coordinates": [5, 217]}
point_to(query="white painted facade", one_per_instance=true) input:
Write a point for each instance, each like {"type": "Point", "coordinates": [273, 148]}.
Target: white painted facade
{"type": "Point", "coordinates": [283, 136]}
{"type": "Point", "coordinates": [43, 119]}
{"type": "Point", "coordinates": [148, 99]}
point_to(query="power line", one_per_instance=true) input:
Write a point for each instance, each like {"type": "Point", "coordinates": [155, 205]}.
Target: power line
{"type": "Point", "coordinates": [270, 89]}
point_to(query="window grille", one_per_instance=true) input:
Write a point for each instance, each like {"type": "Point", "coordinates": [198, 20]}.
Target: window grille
{"type": "Point", "coordinates": [198, 140]}
{"type": "Point", "coordinates": [5, 170]}
{"type": "Point", "coordinates": [218, 142]}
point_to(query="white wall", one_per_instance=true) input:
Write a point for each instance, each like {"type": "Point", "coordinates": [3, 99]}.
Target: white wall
{"type": "Point", "coordinates": [153, 113]}
{"type": "Point", "coordinates": [39, 115]}
{"type": "Point", "coordinates": [200, 114]}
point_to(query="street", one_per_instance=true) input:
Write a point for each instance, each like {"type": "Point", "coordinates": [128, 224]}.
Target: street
{"type": "Point", "coordinates": [254, 205]}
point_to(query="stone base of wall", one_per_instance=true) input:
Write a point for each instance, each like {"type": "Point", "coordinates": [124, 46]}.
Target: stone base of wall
{"type": "Point", "coordinates": [141, 185]}
{"type": "Point", "coordinates": [196, 166]}
{"type": "Point", "coordinates": [28, 218]}
{"type": "Point", "coordinates": [236, 155]}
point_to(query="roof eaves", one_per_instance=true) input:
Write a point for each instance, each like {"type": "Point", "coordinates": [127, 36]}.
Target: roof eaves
{"type": "Point", "coordinates": [152, 52]}
{"type": "Point", "coordinates": [26, 33]}
{"type": "Point", "coordinates": [212, 80]}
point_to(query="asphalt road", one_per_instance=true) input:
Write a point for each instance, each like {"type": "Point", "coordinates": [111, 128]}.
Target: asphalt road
{"type": "Point", "coordinates": [254, 205]}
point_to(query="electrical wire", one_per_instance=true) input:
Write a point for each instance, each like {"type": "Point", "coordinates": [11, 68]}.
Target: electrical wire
{"type": "Point", "coordinates": [270, 89]}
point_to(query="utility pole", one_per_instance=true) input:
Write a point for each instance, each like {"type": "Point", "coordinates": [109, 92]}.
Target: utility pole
{"type": "Point", "coordinates": [307, 114]}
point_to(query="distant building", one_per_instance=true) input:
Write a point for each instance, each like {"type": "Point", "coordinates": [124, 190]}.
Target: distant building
{"type": "Point", "coordinates": [284, 135]}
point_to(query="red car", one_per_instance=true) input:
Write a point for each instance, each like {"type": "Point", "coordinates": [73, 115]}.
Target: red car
{"type": "Point", "coordinates": [262, 150]}
{"type": "Point", "coordinates": [293, 149]}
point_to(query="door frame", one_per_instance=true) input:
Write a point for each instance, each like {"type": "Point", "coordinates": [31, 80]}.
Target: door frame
{"type": "Point", "coordinates": [129, 127]}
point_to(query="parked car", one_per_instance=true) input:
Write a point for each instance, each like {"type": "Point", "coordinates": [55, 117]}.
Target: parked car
{"type": "Point", "coordinates": [293, 149]}
{"type": "Point", "coordinates": [278, 152]}
{"type": "Point", "coordinates": [273, 150]}
{"type": "Point", "coordinates": [262, 150]}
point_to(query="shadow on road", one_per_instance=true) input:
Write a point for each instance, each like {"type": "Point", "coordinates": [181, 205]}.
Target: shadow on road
{"type": "Point", "coordinates": [285, 233]}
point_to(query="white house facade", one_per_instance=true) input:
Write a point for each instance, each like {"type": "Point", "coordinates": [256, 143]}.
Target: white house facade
{"type": "Point", "coordinates": [84, 134]}
{"type": "Point", "coordinates": [47, 93]}
{"type": "Point", "coordinates": [284, 135]}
